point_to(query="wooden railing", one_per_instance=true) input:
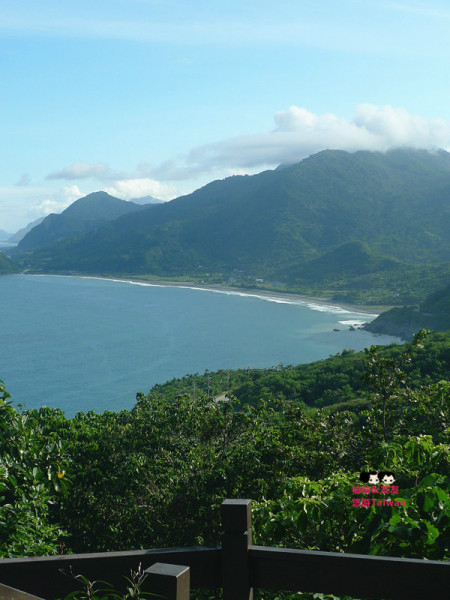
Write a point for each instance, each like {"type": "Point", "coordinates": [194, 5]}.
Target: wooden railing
{"type": "Point", "coordinates": [237, 567]}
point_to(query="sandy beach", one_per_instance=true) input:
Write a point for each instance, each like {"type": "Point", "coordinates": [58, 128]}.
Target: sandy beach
{"type": "Point", "coordinates": [289, 297]}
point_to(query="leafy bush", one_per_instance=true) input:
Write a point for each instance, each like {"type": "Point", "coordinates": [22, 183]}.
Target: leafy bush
{"type": "Point", "coordinates": [31, 478]}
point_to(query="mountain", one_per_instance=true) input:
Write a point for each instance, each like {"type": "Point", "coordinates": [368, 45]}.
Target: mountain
{"type": "Point", "coordinates": [146, 200]}
{"type": "Point", "coordinates": [83, 215]}
{"type": "Point", "coordinates": [392, 206]}
{"type": "Point", "coordinates": [4, 235]}
{"type": "Point", "coordinates": [433, 313]}
{"type": "Point", "coordinates": [349, 259]}
{"type": "Point", "coordinates": [16, 237]}
{"type": "Point", "coordinates": [6, 265]}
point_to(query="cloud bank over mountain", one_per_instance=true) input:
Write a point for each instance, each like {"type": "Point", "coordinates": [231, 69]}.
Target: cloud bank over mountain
{"type": "Point", "coordinates": [141, 186]}
{"type": "Point", "coordinates": [298, 133]}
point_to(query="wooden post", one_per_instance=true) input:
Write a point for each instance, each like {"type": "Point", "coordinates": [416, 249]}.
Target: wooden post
{"type": "Point", "coordinates": [171, 581]}
{"type": "Point", "coordinates": [236, 540]}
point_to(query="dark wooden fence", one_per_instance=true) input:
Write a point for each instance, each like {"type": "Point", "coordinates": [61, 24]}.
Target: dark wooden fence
{"type": "Point", "coordinates": [237, 567]}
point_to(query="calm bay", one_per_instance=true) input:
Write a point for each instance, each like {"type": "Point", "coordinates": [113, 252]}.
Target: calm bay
{"type": "Point", "coordinates": [83, 344]}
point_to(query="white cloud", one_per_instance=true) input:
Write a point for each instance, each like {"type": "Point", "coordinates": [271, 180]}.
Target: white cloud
{"type": "Point", "coordinates": [397, 127]}
{"type": "Point", "coordinates": [170, 171]}
{"type": "Point", "coordinates": [80, 170]}
{"type": "Point", "coordinates": [299, 133]}
{"type": "Point", "coordinates": [120, 184]}
{"type": "Point", "coordinates": [55, 203]}
{"type": "Point", "coordinates": [143, 186]}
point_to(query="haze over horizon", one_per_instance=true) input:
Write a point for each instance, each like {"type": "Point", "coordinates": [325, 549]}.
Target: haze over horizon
{"type": "Point", "coordinates": [144, 97]}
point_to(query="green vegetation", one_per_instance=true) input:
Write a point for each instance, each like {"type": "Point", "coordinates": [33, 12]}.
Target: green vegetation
{"type": "Point", "coordinates": [6, 265]}
{"type": "Point", "coordinates": [31, 480]}
{"type": "Point", "coordinates": [103, 590]}
{"type": "Point", "coordinates": [433, 313]}
{"type": "Point", "coordinates": [155, 476]}
{"type": "Point", "coordinates": [357, 227]}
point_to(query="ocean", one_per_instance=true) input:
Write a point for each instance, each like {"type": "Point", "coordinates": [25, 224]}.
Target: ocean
{"type": "Point", "coordinates": [82, 344]}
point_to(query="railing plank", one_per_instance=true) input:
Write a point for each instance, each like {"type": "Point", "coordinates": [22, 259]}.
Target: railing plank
{"type": "Point", "coordinates": [9, 593]}
{"type": "Point", "coordinates": [355, 575]}
{"type": "Point", "coordinates": [42, 576]}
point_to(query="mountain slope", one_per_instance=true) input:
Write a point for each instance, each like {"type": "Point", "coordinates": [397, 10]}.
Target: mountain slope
{"type": "Point", "coordinates": [85, 214]}
{"type": "Point", "coordinates": [6, 265]}
{"type": "Point", "coordinates": [4, 235]}
{"type": "Point", "coordinates": [24, 230]}
{"type": "Point", "coordinates": [433, 313]}
{"type": "Point", "coordinates": [266, 224]}
{"type": "Point", "coordinates": [347, 260]}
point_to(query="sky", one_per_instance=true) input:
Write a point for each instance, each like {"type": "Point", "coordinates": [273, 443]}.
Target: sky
{"type": "Point", "coordinates": [159, 97]}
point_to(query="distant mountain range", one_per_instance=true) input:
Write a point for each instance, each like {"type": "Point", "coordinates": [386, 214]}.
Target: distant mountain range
{"type": "Point", "coordinates": [146, 200]}
{"type": "Point", "coordinates": [362, 227]}
{"type": "Point", "coordinates": [23, 232]}
{"type": "Point", "coordinates": [4, 235]}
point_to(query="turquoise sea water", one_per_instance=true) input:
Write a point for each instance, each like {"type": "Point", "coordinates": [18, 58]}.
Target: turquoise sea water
{"type": "Point", "coordinates": [84, 344]}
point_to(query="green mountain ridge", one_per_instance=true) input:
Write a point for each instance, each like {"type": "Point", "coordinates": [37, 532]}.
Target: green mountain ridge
{"type": "Point", "coordinates": [84, 215]}
{"type": "Point", "coordinates": [292, 225]}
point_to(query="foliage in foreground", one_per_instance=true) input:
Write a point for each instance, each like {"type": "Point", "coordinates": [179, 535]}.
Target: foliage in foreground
{"type": "Point", "coordinates": [155, 476]}
{"type": "Point", "coordinates": [96, 590]}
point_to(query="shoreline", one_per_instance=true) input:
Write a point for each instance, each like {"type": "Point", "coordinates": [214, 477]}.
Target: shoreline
{"type": "Point", "coordinates": [358, 308]}
{"type": "Point", "coordinates": [373, 311]}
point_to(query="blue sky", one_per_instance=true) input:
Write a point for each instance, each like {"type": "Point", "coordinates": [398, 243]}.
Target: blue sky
{"type": "Point", "coordinates": [156, 97]}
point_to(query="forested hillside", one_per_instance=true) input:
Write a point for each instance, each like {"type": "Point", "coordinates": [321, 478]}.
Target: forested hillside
{"type": "Point", "coordinates": [155, 476]}
{"type": "Point", "coordinates": [337, 382]}
{"type": "Point", "coordinates": [86, 214]}
{"type": "Point", "coordinates": [6, 265]}
{"type": "Point", "coordinates": [433, 313]}
{"type": "Point", "coordinates": [366, 226]}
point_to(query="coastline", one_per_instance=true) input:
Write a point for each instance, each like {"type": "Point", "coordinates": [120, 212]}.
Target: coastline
{"type": "Point", "coordinates": [358, 308]}
{"type": "Point", "coordinates": [290, 297]}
